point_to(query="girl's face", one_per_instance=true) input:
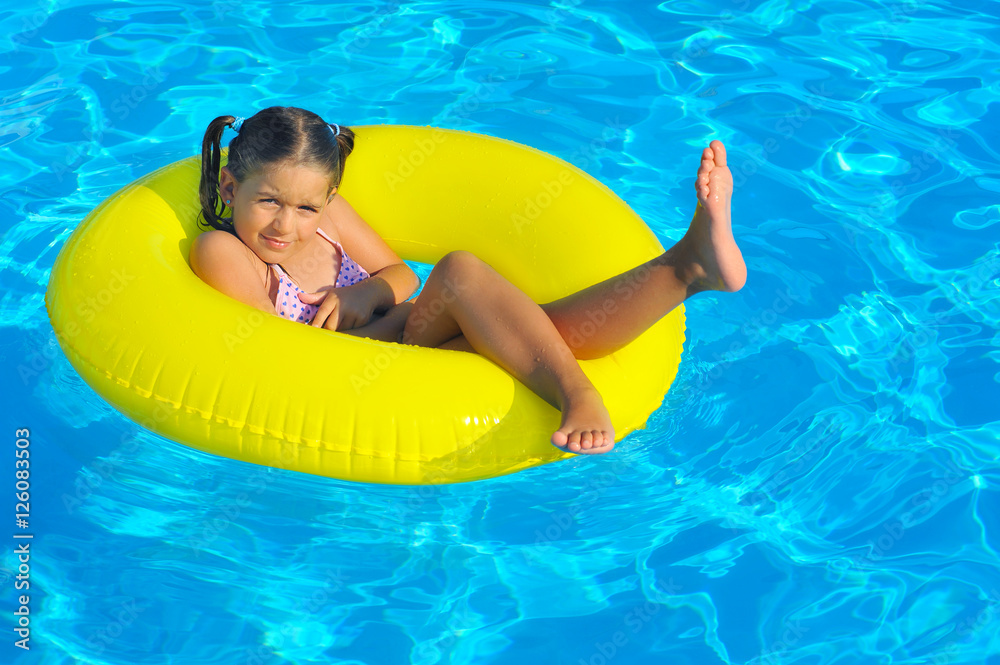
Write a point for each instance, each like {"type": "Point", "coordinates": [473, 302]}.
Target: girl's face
{"type": "Point", "coordinates": [276, 213]}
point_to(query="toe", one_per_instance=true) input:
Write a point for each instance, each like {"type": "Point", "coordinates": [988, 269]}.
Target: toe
{"type": "Point", "coordinates": [720, 152]}
{"type": "Point", "coordinates": [600, 445]}
{"type": "Point", "coordinates": [559, 439]}
{"type": "Point", "coordinates": [701, 185]}
{"type": "Point", "coordinates": [707, 160]}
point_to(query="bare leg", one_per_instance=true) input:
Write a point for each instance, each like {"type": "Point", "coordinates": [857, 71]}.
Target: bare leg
{"type": "Point", "coordinates": [385, 327]}
{"type": "Point", "coordinates": [465, 296]}
{"type": "Point", "coordinates": [605, 317]}
{"type": "Point", "coordinates": [466, 305]}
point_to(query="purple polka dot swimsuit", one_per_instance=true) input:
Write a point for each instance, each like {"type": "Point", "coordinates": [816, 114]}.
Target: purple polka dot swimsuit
{"type": "Point", "coordinates": [288, 304]}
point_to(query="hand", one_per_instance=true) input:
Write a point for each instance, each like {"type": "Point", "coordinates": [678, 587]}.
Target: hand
{"type": "Point", "coordinates": [342, 308]}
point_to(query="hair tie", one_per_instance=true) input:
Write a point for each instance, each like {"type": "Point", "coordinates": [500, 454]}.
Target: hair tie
{"type": "Point", "coordinates": [236, 124]}
{"type": "Point", "coordinates": [336, 132]}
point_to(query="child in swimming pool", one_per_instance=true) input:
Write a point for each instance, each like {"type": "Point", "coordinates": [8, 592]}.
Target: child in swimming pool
{"type": "Point", "coordinates": [288, 228]}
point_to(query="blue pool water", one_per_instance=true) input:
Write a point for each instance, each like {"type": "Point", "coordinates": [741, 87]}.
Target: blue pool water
{"type": "Point", "coordinates": [820, 484]}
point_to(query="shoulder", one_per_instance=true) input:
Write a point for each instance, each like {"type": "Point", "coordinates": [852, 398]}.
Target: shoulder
{"type": "Point", "coordinates": [223, 262]}
{"type": "Point", "coordinates": [360, 240]}
{"type": "Point", "coordinates": [217, 237]}
{"type": "Point", "coordinates": [213, 240]}
{"type": "Point", "coordinates": [214, 247]}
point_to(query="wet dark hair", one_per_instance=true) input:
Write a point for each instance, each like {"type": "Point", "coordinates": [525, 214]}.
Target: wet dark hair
{"type": "Point", "coordinates": [279, 134]}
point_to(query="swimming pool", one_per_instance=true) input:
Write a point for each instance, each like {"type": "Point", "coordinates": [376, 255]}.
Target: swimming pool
{"type": "Point", "coordinates": [820, 485]}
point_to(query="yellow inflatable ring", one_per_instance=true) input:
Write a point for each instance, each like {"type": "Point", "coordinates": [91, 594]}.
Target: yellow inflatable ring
{"type": "Point", "coordinates": [188, 362]}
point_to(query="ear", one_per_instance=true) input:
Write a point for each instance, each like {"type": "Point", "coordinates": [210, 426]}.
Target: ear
{"type": "Point", "coordinates": [227, 185]}
{"type": "Point", "coordinates": [333, 192]}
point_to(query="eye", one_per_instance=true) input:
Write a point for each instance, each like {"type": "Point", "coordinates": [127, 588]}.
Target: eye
{"type": "Point", "coordinates": [268, 201]}
{"type": "Point", "coordinates": [308, 208]}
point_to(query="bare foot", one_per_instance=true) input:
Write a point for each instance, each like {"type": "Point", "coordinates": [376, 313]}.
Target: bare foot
{"type": "Point", "coordinates": [714, 262]}
{"type": "Point", "coordinates": [586, 425]}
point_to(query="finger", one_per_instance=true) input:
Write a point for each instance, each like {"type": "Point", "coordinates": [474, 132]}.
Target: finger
{"type": "Point", "coordinates": [313, 298]}
{"type": "Point", "coordinates": [333, 322]}
{"type": "Point", "coordinates": [350, 323]}
{"type": "Point", "coordinates": [325, 312]}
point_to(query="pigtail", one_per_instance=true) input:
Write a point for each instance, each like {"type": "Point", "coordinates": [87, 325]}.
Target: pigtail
{"type": "Point", "coordinates": [211, 163]}
{"type": "Point", "coordinates": [345, 141]}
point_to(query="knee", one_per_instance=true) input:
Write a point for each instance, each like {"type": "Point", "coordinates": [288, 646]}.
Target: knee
{"type": "Point", "coordinates": [459, 264]}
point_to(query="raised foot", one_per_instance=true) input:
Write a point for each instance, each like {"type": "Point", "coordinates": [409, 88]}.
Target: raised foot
{"type": "Point", "coordinates": [716, 263]}
{"type": "Point", "coordinates": [586, 424]}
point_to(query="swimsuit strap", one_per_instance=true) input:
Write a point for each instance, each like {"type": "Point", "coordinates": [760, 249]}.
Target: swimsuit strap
{"type": "Point", "coordinates": [323, 233]}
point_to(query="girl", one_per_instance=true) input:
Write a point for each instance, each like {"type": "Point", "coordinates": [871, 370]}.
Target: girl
{"type": "Point", "coordinates": [283, 250]}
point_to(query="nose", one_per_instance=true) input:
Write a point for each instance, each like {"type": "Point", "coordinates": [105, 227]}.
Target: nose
{"type": "Point", "coordinates": [284, 221]}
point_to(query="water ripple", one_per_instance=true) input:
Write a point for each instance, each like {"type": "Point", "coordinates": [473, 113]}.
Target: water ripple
{"type": "Point", "coordinates": [820, 484]}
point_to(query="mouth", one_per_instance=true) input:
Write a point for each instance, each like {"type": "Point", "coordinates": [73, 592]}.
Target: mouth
{"type": "Point", "coordinates": [276, 244]}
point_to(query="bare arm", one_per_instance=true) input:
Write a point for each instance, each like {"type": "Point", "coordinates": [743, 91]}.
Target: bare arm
{"type": "Point", "coordinates": [221, 261]}
{"type": "Point", "coordinates": [395, 280]}
{"type": "Point", "coordinates": [392, 285]}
